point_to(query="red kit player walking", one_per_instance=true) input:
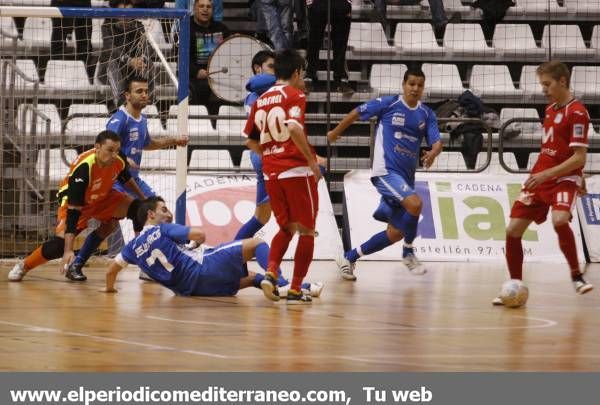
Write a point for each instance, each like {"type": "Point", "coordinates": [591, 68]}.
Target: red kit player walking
{"type": "Point", "coordinates": [275, 130]}
{"type": "Point", "coordinates": [556, 177]}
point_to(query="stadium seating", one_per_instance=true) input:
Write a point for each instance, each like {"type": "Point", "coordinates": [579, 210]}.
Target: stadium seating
{"type": "Point", "coordinates": [387, 79]}
{"type": "Point", "coordinates": [516, 41]}
{"type": "Point", "coordinates": [368, 38]}
{"type": "Point", "coordinates": [26, 116]}
{"type": "Point", "coordinates": [197, 127]}
{"type": "Point", "coordinates": [565, 41]}
{"type": "Point", "coordinates": [212, 159]}
{"type": "Point", "coordinates": [442, 80]}
{"type": "Point", "coordinates": [494, 81]}
{"type": "Point", "coordinates": [416, 39]}
{"type": "Point", "coordinates": [164, 159]}
{"type": "Point", "coordinates": [466, 40]}
{"type": "Point", "coordinates": [449, 161]}
{"type": "Point", "coordinates": [58, 169]}
{"type": "Point", "coordinates": [495, 167]}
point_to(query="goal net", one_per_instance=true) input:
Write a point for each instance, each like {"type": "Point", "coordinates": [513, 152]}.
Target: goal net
{"type": "Point", "coordinates": [62, 76]}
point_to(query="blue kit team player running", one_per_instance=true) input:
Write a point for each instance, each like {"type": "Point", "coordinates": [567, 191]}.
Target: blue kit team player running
{"type": "Point", "coordinates": [402, 124]}
{"type": "Point", "coordinates": [160, 252]}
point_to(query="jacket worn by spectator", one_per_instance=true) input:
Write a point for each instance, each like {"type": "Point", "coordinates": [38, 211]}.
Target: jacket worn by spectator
{"type": "Point", "coordinates": [203, 42]}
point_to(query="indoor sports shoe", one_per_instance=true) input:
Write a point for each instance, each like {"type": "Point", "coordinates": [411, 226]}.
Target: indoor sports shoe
{"type": "Point", "coordinates": [414, 265]}
{"type": "Point", "coordinates": [17, 273]}
{"type": "Point", "coordinates": [298, 298]}
{"type": "Point", "coordinates": [497, 301]}
{"type": "Point", "coordinates": [581, 286]}
{"type": "Point", "coordinates": [269, 287]}
{"type": "Point", "coordinates": [314, 289]}
{"type": "Point", "coordinates": [346, 267]}
{"type": "Point", "coordinates": [74, 272]}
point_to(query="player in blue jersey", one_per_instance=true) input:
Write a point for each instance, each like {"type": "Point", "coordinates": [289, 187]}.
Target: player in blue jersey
{"type": "Point", "coordinates": [158, 250]}
{"type": "Point", "coordinates": [132, 127]}
{"type": "Point", "coordinates": [403, 123]}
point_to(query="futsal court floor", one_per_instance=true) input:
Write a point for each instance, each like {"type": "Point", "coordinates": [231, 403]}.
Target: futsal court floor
{"type": "Point", "coordinates": [388, 320]}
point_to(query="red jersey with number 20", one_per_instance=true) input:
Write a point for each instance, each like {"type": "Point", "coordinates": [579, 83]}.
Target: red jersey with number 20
{"type": "Point", "coordinates": [564, 127]}
{"type": "Point", "coordinates": [278, 108]}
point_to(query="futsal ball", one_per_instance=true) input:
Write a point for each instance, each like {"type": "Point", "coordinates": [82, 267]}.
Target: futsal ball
{"type": "Point", "coordinates": [514, 293]}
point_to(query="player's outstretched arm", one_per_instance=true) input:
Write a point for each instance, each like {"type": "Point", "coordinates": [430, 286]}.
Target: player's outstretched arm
{"type": "Point", "coordinates": [162, 143]}
{"type": "Point", "coordinates": [336, 133]}
{"type": "Point", "coordinates": [111, 277]}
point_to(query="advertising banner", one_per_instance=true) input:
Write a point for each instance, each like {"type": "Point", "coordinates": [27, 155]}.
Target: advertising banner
{"type": "Point", "coordinates": [222, 203]}
{"type": "Point", "coordinates": [588, 208]}
{"type": "Point", "coordinates": [464, 217]}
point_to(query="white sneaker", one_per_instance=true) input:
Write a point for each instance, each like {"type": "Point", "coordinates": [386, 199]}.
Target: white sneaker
{"type": "Point", "coordinates": [345, 267]}
{"type": "Point", "coordinates": [497, 301]}
{"type": "Point", "coordinates": [414, 265]}
{"type": "Point", "coordinates": [17, 273]}
{"type": "Point", "coordinates": [582, 286]}
{"type": "Point", "coordinates": [314, 290]}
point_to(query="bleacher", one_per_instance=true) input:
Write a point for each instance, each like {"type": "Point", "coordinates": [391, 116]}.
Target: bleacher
{"type": "Point", "coordinates": [499, 69]}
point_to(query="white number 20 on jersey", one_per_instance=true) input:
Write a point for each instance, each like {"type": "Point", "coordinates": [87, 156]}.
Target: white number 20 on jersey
{"type": "Point", "coordinates": [155, 255]}
{"type": "Point", "coordinates": [271, 125]}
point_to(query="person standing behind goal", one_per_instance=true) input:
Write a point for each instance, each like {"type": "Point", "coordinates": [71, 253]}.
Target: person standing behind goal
{"type": "Point", "coordinates": [132, 127]}
{"type": "Point", "coordinates": [557, 176]}
{"type": "Point", "coordinates": [275, 130]}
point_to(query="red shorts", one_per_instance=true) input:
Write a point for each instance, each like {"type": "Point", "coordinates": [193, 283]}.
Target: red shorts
{"type": "Point", "coordinates": [294, 199]}
{"type": "Point", "coordinates": [103, 211]}
{"type": "Point", "coordinates": [535, 204]}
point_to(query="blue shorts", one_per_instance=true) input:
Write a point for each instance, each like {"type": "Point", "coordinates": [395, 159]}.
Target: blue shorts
{"type": "Point", "coordinates": [146, 189]}
{"type": "Point", "coordinates": [222, 269]}
{"type": "Point", "coordinates": [261, 191]}
{"type": "Point", "coordinates": [393, 189]}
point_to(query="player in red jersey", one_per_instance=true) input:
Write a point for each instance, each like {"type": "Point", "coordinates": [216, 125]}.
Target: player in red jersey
{"type": "Point", "coordinates": [557, 176]}
{"type": "Point", "coordinates": [275, 130]}
{"type": "Point", "coordinates": [85, 193]}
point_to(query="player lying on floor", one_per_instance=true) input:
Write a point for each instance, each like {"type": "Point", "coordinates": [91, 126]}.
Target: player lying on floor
{"type": "Point", "coordinates": [159, 251]}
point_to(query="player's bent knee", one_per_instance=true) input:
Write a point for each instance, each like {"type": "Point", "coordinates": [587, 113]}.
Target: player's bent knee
{"type": "Point", "coordinates": [53, 248]}
{"type": "Point", "coordinates": [413, 205]}
{"type": "Point", "coordinates": [394, 234]}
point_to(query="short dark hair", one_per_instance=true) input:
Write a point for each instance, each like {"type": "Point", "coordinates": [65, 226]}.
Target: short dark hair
{"type": "Point", "coordinates": [413, 72]}
{"type": "Point", "coordinates": [261, 57]}
{"type": "Point", "coordinates": [287, 62]}
{"type": "Point", "coordinates": [106, 135]}
{"type": "Point", "coordinates": [149, 204]}
{"type": "Point", "coordinates": [134, 78]}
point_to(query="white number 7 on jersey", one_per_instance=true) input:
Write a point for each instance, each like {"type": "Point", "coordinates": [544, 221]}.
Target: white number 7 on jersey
{"type": "Point", "coordinates": [160, 256]}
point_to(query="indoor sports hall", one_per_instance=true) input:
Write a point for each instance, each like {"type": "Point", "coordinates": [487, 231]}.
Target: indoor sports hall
{"type": "Point", "coordinates": [63, 78]}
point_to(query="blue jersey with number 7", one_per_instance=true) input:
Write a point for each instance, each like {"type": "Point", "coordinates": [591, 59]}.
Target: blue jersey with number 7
{"type": "Point", "coordinates": [158, 252]}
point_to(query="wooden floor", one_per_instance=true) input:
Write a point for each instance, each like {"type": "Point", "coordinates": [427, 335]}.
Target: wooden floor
{"type": "Point", "coordinates": [388, 320]}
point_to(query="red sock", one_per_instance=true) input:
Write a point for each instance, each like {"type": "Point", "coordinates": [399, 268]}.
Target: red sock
{"type": "Point", "coordinates": [279, 246]}
{"type": "Point", "coordinates": [302, 259]}
{"type": "Point", "coordinates": [514, 257]}
{"type": "Point", "coordinates": [566, 241]}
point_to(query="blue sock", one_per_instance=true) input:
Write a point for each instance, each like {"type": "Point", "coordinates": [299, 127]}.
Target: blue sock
{"type": "Point", "coordinates": [378, 242]}
{"type": "Point", "coordinates": [91, 243]}
{"type": "Point", "coordinates": [257, 279]}
{"type": "Point", "coordinates": [262, 257]}
{"type": "Point", "coordinates": [249, 229]}
{"type": "Point", "coordinates": [407, 250]}
{"type": "Point", "coordinates": [408, 226]}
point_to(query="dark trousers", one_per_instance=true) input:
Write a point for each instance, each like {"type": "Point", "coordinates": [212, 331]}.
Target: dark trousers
{"type": "Point", "coordinates": [82, 27]}
{"type": "Point", "coordinates": [340, 31]}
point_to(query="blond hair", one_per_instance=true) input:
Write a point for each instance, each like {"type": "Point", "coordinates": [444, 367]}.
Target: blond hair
{"type": "Point", "coordinates": [556, 70]}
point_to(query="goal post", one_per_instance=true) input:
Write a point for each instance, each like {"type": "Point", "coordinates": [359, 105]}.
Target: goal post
{"type": "Point", "coordinates": [41, 101]}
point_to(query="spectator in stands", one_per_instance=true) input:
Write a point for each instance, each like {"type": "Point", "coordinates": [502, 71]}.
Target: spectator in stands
{"type": "Point", "coordinates": [438, 14]}
{"type": "Point", "coordinates": [217, 8]}
{"type": "Point", "coordinates": [301, 34]}
{"type": "Point", "coordinates": [340, 30]}
{"type": "Point", "coordinates": [205, 36]}
{"type": "Point", "coordinates": [125, 53]}
{"type": "Point", "coordinates": [64, 27]}
{"type": "Point", "coordinates": [278, 19]}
